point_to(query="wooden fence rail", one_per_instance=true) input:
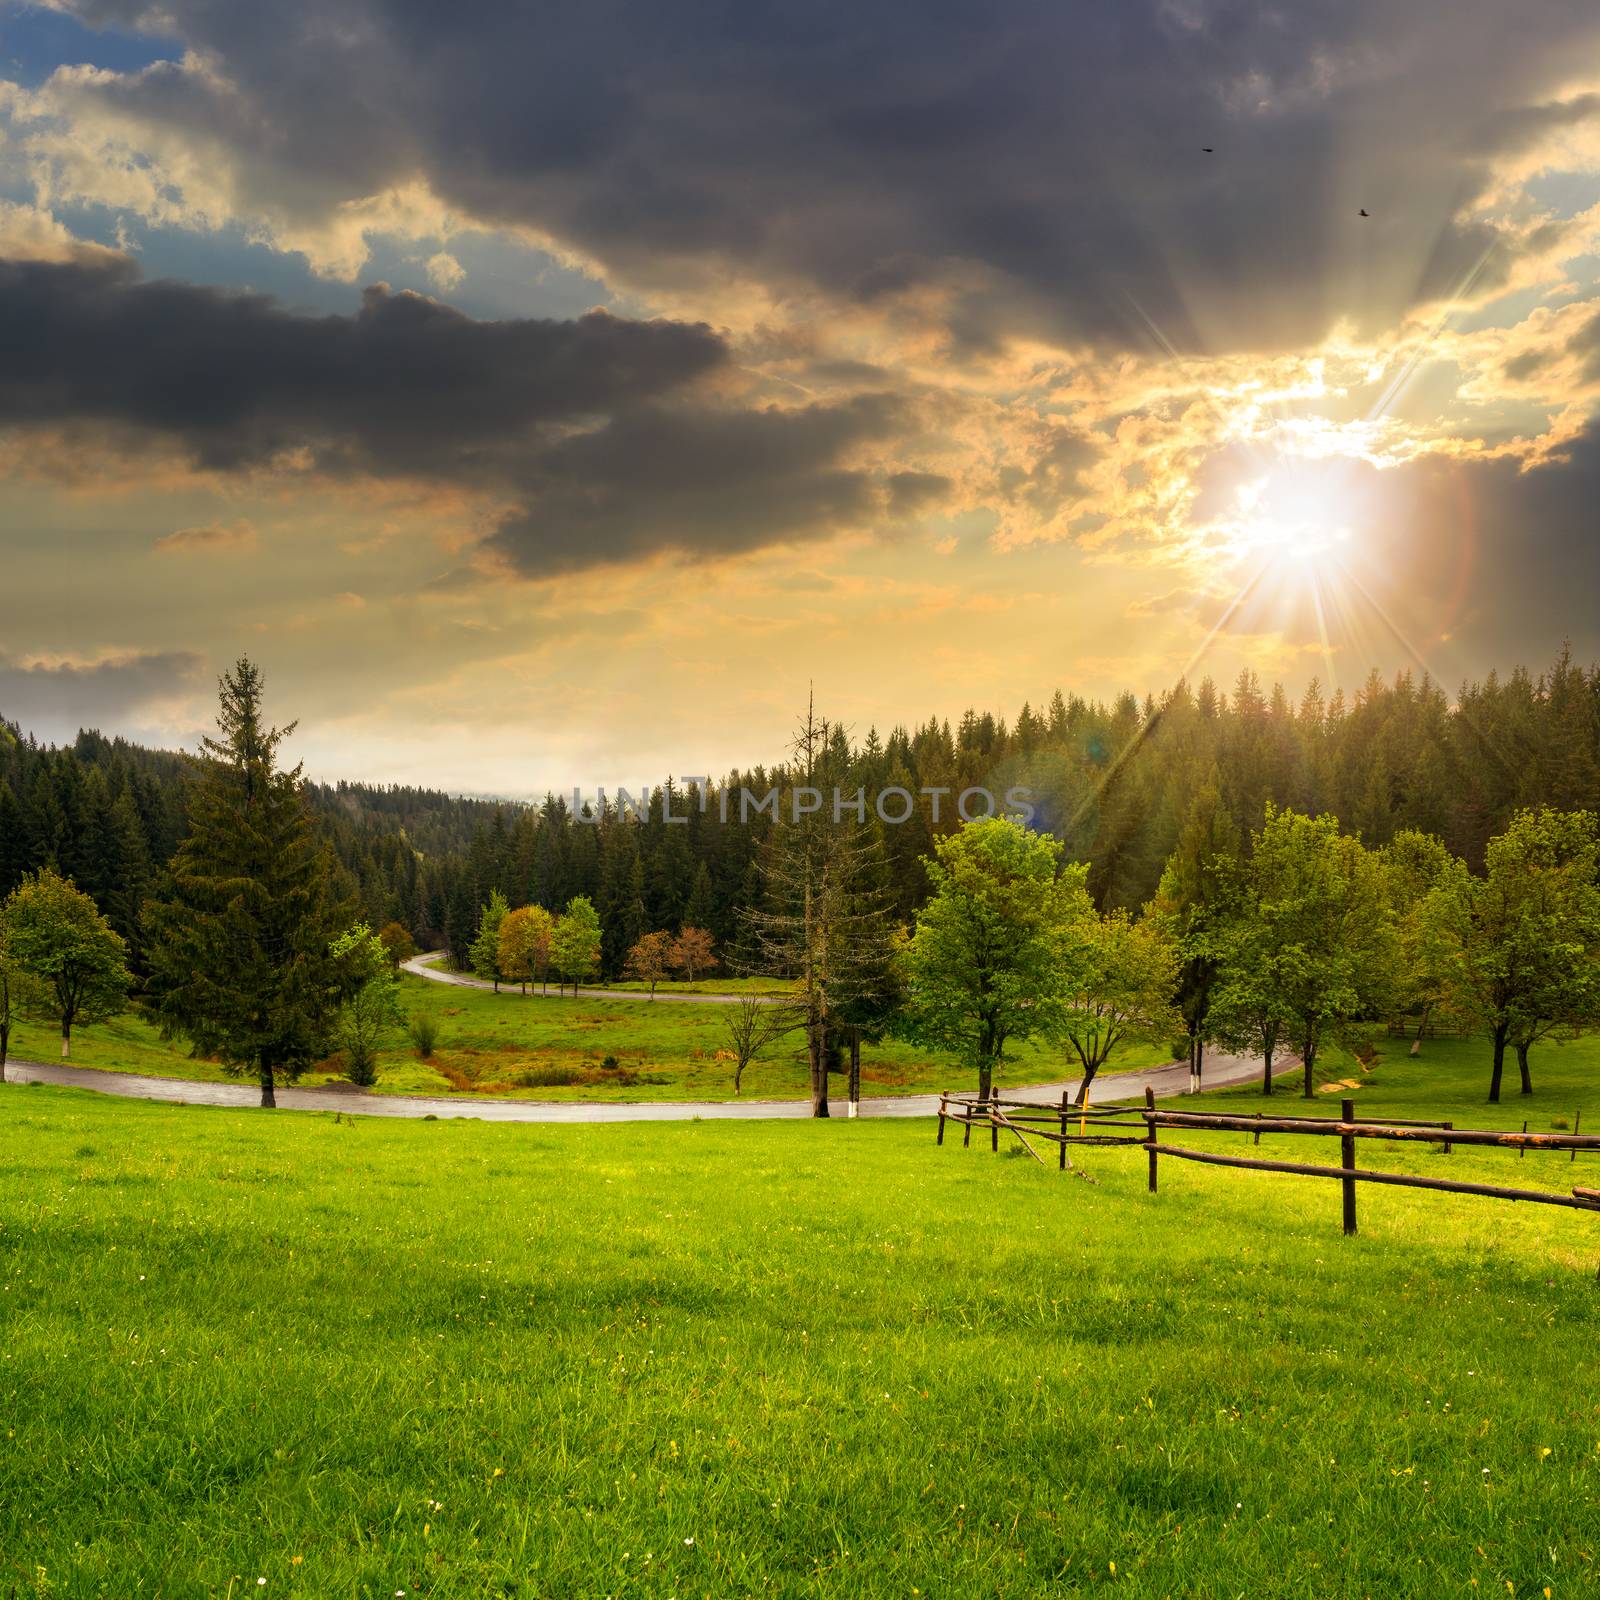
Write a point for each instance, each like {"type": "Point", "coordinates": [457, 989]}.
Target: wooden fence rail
{"type": "Point", "coordinates": [1069, 1124]}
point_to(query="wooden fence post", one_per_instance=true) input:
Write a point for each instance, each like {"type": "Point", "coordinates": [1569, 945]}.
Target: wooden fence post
{"type": "Point", "coordinates": [994, 1123]}
{"type": "Point", "coordinates": [1577, 1122]}
{"type": "Point", "coordinates": [1258, 1129]}
{"type": "Point", "coordinates": [1447, 1145]}
{"type": "Point", "coordinates": [1066, 1100]}
{"type": "Point", "coordinates": [1522, 1149]}
{"type": "Point", "coordinates": [1150, 1124]}
{"type": "Point", "coordinates": [1347, 1160]}
{"type": "Point", "coordinates": [940, 1139]}
{"type": "Point", "coordinates": [966, 1127]}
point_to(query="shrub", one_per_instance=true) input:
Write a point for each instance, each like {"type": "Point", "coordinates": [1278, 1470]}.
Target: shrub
{"type": "Point", "coordinates": [611, 1064]}
{"type": "Point", "coordinates": [424, 1032]}
{"type": "Point", "coordinates": [360, 1063]}
{"type": "Point", "coordinates": [548, 1077]}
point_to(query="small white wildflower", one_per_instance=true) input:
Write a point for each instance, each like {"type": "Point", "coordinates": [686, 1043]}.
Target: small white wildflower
{"type": "Point", "coordinates": [689, 1540]}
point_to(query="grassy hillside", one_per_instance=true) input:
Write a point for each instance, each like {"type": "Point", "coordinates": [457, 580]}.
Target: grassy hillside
{"type": "Point", "coordinates": [707, 1359]}
{"type": "Point", "coordinates": [510, 1045]}
{"type": "Point", "coordinates": [1449, 1079]}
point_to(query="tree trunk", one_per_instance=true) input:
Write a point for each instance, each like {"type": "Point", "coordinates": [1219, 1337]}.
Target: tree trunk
{"type": "Point", "coordinates": [1089, 1071]}
{"type": "Point", "coordinates": [1499, 1037]}
{"type": "Point", "coordinates": [1199, 1062]}
{"type": "Point", "coordinates": [5, 1048]}
{"type": "Point", "coordinates": [985, 1080]}
{"type": "Point", "coordinates": [1266, 1067]}
{"type": "Point", "coordinates": [269, 1095]}
{"type": "Point", "coordinates": [817, 1047]}
{"type": "Point", "coordinates": [855, 1066]}
{"type": "Point", "coordinates": [1310, 1065]}
{"type": "Point", "coordinates": [1523, 1047]}
{"type": "Point", "coordinates": [66, 1038]}
{"type": "Point", "coordinates": [1422, 1024]}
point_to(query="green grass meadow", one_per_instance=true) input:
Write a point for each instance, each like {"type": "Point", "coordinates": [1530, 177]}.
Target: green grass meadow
{"type": "Point", "coordinates": [489, 1043]}
{"type": "Point", "coordinates": [714, 1359]}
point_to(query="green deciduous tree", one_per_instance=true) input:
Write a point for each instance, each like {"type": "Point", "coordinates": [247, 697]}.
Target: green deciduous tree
{"type": "Point", "coordinates": [1524, 939]}
{"type": "Point", "coordinates": [398, 943]}
{"type": "Point", "coordinates": [370, 1001]}
{"type": "Point", "coordinates": [1120, 990]}
{"type": "Point", "coordinates": [241, 933]}
{"type": "Point", "coordinates": [1250, 1009]}
{"type": "Point", "coordinates": [575, 943]}
{"type": "Point", "coordinates": [997, 947]}
{"type": "Point", "coordinates": [1191, 905]}
{"type": "Point", "coordinates": [1311, 936]}
{"type": "Point", "coordinates": [485, 952]}
{"type": "Point", "coordinates": [525, 945]}
{"type": "Point", "coordinates": [1415, 864]}
{"type": "Point", "coordinates": [23, 996]}
{"type": "Point", "coordinates": [54, 931]}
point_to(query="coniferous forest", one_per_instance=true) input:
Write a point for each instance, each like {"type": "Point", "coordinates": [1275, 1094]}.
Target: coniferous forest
{"type": "Point", "coordinates": [1114, 782]}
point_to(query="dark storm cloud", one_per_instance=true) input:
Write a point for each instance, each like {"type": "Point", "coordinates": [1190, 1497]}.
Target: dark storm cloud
{"type": "Point", "coordinates": [594, 430]}
{"type": "Point", "coordinates": [1041, 164]}
{"type": "Point", "coordinates": [56, 700]}
{"type": "Point", "coordinates": [405, 384]}
{"type": "Point", "coordinates": [1516, 554]}
{"type": "Point", "coordinates": [701, 481]}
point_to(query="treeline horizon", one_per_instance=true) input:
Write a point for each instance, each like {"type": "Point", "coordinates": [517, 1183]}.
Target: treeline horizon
{"type": "Point", "coordinates": [1114, 782]}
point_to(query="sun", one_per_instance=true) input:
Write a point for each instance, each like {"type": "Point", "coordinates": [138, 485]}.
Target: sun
{"type": "Point", "coordinates": [1285, 521]}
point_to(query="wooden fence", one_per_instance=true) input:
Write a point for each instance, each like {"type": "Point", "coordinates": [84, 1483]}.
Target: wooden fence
{"type": "Point", "coordinates": [1069, 1124]}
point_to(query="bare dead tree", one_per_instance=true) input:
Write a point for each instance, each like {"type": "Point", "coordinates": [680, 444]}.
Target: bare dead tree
{"type": "Point", "coordinates": [751, 1026]}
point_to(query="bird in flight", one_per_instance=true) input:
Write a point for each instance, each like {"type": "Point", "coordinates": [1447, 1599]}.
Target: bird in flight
{"type": "Point", "coordinates": [1206, 150]}
{"type": "Point", "coordinates": [1365, 213]}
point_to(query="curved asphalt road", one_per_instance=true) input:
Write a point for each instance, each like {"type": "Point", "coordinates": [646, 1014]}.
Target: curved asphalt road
{"type": "Point", "coordinates": [1221, 1071]}
{"type": "Point", "coordinates": [423, 967]}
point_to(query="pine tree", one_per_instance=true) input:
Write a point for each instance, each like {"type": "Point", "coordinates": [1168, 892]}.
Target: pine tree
{"type": "Point", "coordinates": [13, 841]}
{"type": "Point", "coordinates": [460, 920]}
{"type": "Point", "coordinates": [240, 937]}
{"type": "Point", "coordinates": [700, 910]}
{"type": "Point", "coordinates": [122, 869]}
{"type": "Point", "coordinates": [823, 919]}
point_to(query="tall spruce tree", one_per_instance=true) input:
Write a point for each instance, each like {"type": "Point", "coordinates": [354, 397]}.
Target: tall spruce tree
{"type": "Point", "coordinates": [823, 920]}
{"type": "Point", "coordinates": [240, 938]}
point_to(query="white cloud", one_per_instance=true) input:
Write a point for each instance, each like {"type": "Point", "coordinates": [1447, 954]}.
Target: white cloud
{"type": "Point", "coordinates": [445, 272]}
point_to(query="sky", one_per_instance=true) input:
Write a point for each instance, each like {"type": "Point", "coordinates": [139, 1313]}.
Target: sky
{"type": "Point", "coordinates": [551, 396]}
